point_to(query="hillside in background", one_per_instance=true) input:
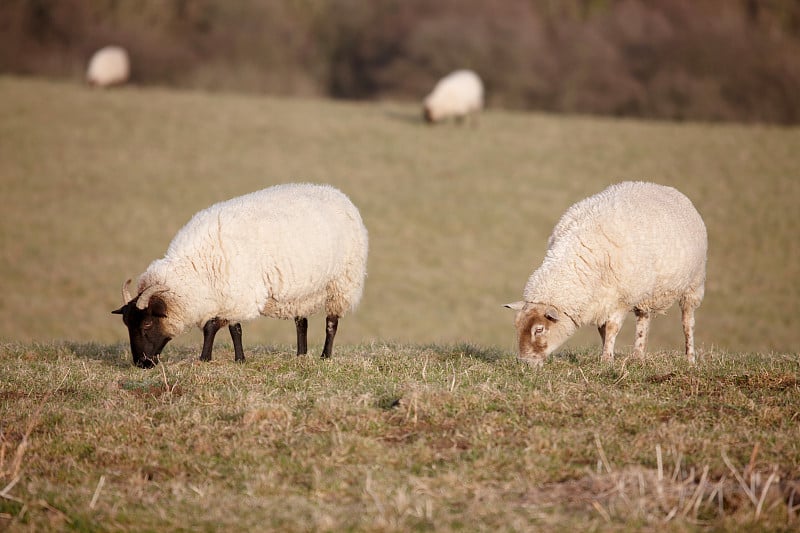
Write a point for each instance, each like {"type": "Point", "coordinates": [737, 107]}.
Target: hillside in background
{"type": "Point", "coordinates": [730, 60]}
{"type": "Point", "coordinates": [99, 182]}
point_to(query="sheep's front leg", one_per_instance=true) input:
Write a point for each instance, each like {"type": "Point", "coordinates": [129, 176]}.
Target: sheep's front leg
{"type": "Point", "coordinates": [236, 337]}
{"type": "Point", "coordinates": [642, 330]}
{"type": "Point", "coordinates": [301, 323]}
{"type": "Point", "coordinates": [609, 333]}
{"type": "Point", "coordinates": [210, 330]}
{"type": "Point", "coordinates": [331, 324]}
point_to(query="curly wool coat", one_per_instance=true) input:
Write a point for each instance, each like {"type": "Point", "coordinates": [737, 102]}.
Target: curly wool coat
{"type": "Point", "coordinates": [634, 246]}
{"type": "Point", "coordinates": [108, 66]}
{"type": "Point", "coordinates": [456, 95]}
{"type": "Point", "coordinates": [287, 251]}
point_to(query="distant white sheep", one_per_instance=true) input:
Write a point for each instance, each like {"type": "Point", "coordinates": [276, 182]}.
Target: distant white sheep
{"type": "Point", "coordinates": [109, 66]}
{"type": "Point", "coordinates": [456, 95]}
{"type": "Point", "coordinates": [634, 246]}
{"type": "Point", "coordinates": [288, 252]}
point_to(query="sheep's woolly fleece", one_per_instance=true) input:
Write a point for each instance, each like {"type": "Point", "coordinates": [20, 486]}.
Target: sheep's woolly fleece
{"type": "Point", "coordinates": [635, 244]}
{"type": "Point", "coordinates": [286, 251]}
{"type": "Point", "coordinates": [108, 66]}
{"type": "Point", "coordinates": [457, 94]}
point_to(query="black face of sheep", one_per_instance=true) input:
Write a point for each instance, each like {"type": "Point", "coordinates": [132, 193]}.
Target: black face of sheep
{"type": "Point", "coordinates": [145, 330]}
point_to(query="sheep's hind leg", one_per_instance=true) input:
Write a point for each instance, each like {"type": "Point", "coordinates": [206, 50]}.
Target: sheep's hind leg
{"type": "Point", "coordinates": [687, 317]}
{"type": "Point", "coordinates": [331, 324]}
{"type": "Point", "coordinates": [236, 337]}
{"type": "Point", "coordinates": [210, 330]}
{"type": "Point", "coordinates": [642, 330]}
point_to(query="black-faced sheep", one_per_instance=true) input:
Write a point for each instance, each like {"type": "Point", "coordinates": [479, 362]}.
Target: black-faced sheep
{"type": "Point", "coordinates": [288, 252]}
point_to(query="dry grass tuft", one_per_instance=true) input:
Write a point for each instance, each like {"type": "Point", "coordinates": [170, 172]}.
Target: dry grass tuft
{"type": "Point", "coordinates": [654, 496]}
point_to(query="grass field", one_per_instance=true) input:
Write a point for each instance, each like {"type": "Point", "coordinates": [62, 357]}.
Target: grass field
{"type": "Point", "coordinates": [384, 436]}
{"type": "Point", "coordinates": [389, 437]}
{"type": "Point", "coordinates": [458, 217]}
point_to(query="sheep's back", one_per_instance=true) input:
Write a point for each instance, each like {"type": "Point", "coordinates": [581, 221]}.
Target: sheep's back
{"type": "Point", "coordinates": [458, 92]}
{"type": "Point", "coordinates": [637, 243]}
{"type": "Point", "coordinates": [108, 66]}
{"type": "Point", "coordinates": [285, 243]}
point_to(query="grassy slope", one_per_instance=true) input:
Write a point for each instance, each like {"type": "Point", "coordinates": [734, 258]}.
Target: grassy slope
{"type": "Point", "coordinates": [97, 183]}
{"type": "Point", "coordinates": [384, 436]}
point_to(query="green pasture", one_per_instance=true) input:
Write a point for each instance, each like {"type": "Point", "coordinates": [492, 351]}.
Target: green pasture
{"type": "Point", "coordinates": [95, 184]}
{"type": "Point", "coordinates": [423, 419]}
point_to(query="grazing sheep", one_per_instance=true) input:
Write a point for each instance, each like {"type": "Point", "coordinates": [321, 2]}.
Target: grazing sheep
{"type": "Point", "coordinates": [634, 246]}
{"type": "Point", "coordinates": [109, 66]}
{"type": "Point", "coordinates": [456, 95]}
{"type": "Point", "coordinates": [287, 252]}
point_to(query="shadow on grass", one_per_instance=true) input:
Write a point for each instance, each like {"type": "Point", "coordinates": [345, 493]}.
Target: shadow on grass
{"type": "Point", "coordinates": [271, 350]}
{"type": "Point", "coordinates": [117, 355]}
{"type": "Point", "coordinates": [568, 357]}
{"type": "Point", "coordinates": [488, 354]}
{"type": "Point", "coordinates": [408, 118]}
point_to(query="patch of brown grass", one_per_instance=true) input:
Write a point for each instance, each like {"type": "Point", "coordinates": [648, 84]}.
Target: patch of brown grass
{"type": "Point", "coordinates": [653, 497]}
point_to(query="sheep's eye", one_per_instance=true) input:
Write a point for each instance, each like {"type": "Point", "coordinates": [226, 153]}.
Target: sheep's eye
{"type": "Point", "coordinates": [147, 323]}
{"type": "Point", "coordinates": [538, 330]}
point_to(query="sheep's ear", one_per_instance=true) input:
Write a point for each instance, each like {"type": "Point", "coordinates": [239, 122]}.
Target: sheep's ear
{"type": "Point", "coordinates": [551, 314]}
{"type": "Point", "coordinates": [158, 307]}
{"type": "Point", "coordinates": [516, 306]}
{"type": "Point", "coordinates": [120, 311]}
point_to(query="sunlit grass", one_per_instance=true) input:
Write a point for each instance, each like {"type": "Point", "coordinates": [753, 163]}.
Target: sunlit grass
{"type": "Point", "coordinates": [97, 183]}
{"type": "Point", "coordinates": [423, 419]}
{"type": "Point", "coordinates": [397, 437]}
